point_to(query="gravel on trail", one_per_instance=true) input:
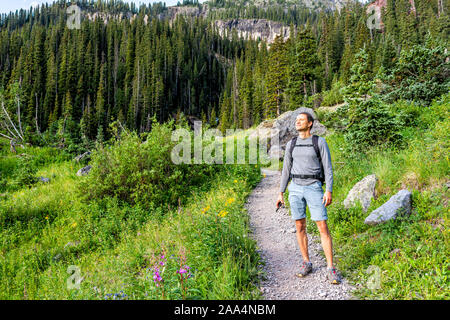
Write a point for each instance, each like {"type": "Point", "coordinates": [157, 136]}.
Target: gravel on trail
{"type": "Point", "coordinates": [275, 235]}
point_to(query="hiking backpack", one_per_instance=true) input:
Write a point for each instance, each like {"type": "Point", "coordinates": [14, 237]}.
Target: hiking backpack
{"type": "Point", "coordinates": [315, 144]}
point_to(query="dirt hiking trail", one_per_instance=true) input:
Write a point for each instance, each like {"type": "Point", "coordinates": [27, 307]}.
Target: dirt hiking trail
{"type": "Point", "coordinates": [277, 245]}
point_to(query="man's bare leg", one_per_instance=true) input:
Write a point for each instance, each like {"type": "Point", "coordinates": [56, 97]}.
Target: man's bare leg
{"type": "Point", "coordinates": [302, 238]}
{"type": "Point", "coordinates": [327, 244]}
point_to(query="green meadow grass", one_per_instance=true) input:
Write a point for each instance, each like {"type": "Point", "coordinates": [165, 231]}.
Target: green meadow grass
{"type": "Point", "coordinates": [50, 237]}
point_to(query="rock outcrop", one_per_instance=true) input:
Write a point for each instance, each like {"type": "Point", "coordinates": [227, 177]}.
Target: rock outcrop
{"type": "Point", "coordinates": [256, 29]}
{"type": "Point", "coordinates": [171, 13]}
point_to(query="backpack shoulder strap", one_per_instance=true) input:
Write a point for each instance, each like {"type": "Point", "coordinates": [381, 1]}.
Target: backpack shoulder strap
{"type": "Point", "coordinates": [293, 142]}
{"type": "Point", "coordinates": [315, 140]}
{"type": "Point", "coordinates": [291, 149]}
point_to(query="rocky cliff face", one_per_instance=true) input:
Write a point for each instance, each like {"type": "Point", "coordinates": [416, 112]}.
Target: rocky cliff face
{"type": "Point", "coordinates": [377, 6]}
{"type": "Point", "coordinates": [173, 12]}
{"type": "Point", "coordinates": [92, 16]}
{"type": "Point", "coordinates": [256, 29]}
{"type": "Point", "coordinates": [312, 4]}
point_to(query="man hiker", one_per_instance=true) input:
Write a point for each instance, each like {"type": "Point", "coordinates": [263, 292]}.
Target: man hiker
{"type": "Point", "coordinates": [303, 165]}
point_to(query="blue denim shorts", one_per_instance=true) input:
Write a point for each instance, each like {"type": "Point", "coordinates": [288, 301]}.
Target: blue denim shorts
{"type": "Point", "coordinates": [311, 195]}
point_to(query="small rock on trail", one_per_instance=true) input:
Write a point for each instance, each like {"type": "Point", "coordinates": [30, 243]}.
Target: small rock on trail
{"type": "Point", "coordinates": [277, 244]}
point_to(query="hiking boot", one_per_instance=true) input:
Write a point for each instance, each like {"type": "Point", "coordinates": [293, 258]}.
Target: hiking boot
{"type": "Point", "coordinates": [305, 268]}
{"type": "Point", "coordinates": [333, 276]}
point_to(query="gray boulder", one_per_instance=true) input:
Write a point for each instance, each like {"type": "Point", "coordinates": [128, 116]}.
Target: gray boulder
{"type": "Point", "coordinates": [71, 244]}
{"type": "Point", "coordinates": [82, 156]}
{"type": "Point", "coordinates": [362, 192]}
{"type": "Point", "coordinates": [57, 257]}
{"type": "Point", "coordinates": [84, 171]}
{"type": "Point", "coordinates": [397, 204]}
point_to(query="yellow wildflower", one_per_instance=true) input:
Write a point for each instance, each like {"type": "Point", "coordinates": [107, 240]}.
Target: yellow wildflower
{"type": "Point", "coordinates": [264, 175]}
{"type": "Point", "coordinates": [229, 201]}
{"type": "Point", "coordinates": [74, 225]}
{"type": "Point", "coordinates": [206, 209]}
{"type": "Point", "coordinates": [46, 217]}
{"type": "Point", "coordinates": [235, 181]}
{"type": "Point", "coordinates": [223, 213]}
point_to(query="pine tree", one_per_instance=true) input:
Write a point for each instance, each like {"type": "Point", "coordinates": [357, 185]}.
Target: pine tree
{"type": "Point", "coordinates": [246, 95]}
{"type": "Point", "coordinates": [50, 92]}
{"type": "Point", "coordinates": [359, 88]}
{"type": "Point", "coordinates": [388, 54]}
{"type": "Point", "coordinates": [390, 20]}
{"type": "Point", "coordinates": [39, 70]}
{"type": "Point", "coordinates": [276, 78]}
{"type": "Point", "coordinates": [68, 107]}
{"type": "Point", "coordinates": [100, 101]}
{"type": "Point", "coordinates": [63, 67]}
{"type": "Point", "coordinates": [303, 69]}
{"type": "Point", "coordinates": [325, 52]}
{"type": "Point", "coordinates": [213, 117]}
{"type": "Point", "coordinates": [406, 21]}
{"type": "Point", "coordinates": [225, 113]}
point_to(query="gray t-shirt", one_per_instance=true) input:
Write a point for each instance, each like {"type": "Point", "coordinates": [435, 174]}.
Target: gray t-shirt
{"type": "Point", "coordinates": [306, 162]}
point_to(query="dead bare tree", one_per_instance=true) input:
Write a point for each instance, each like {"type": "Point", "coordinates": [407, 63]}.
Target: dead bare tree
{"type": "Point", "coordinates": [9, 130]}
{"type": "Point", "coordinates": [18, 115]}
{"type": "Point", "coordinates": [440, 8]}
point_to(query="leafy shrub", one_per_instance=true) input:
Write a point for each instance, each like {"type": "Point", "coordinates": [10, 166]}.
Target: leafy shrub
{"type": "Point", "coordinates": [3, 183]}
{"type": "Point", "coordinates": [333, 120]}
{"type": "Point", "coordinates": [421, 74]}
{"type": "Point", "coordinates": [142, 172]}
{"type": "Point", "coordinates": [369, 120]}
{"type": "Point", "coordinates": [334, 95]}
{"type": "Point", "coordinates": [25, 175]}
{"type": "Point", "coordinates": [375, 125]}
{"type": "Point", "coordinates": [438, 111]}
{"type": "Point", "coordinates": [64, 134]}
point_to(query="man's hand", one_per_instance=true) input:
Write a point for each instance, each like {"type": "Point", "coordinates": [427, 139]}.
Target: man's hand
{"type": "Point", "coordinates": [280, 199]}
{"type": "Point", "coordinates": [327, 198]}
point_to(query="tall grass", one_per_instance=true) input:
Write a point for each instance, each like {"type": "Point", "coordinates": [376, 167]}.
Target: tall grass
{"type": "Point", "coordinates": [115, 244]}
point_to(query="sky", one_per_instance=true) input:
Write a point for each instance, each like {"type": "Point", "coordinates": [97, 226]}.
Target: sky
{"type": "Point", "coordinates": [12, 5]}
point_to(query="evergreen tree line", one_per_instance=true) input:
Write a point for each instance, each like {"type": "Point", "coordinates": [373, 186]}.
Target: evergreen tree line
{"type": "Point", "coordinates": [128, 70]}
{"type": "Point", "coordinates": [133, 70]}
